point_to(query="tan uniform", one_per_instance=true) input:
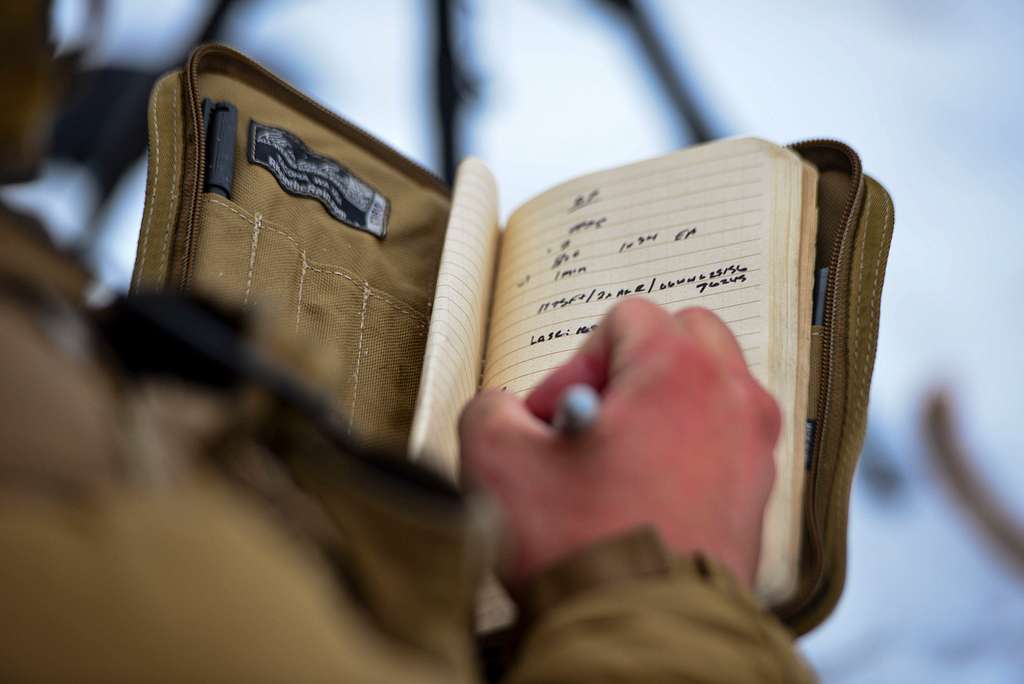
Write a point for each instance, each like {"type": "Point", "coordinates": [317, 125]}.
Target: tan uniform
{"type": "Point", "coordinates": [152, 530]}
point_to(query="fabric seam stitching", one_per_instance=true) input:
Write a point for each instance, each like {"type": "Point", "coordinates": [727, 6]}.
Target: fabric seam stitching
{"type": "Point", "coordinates": [359, 356]}
{"type": "Point", "coordinates": [174, 182]}
{"type": "Point", "coordinates": [152, 193]}
{"type": "Point", "coordinates": [394, 303]}
{"type": "Point", "coordinates": [256, 225]}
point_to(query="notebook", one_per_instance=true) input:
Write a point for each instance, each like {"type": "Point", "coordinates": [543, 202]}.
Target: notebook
{"type": "Point", "coordinates": [729, 226]}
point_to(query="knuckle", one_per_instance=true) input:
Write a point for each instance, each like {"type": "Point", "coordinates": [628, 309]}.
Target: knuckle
{"type": "Point", "coordinates": [699, 316]}
{"type": "Point", "coordinates": [637, 304]}
{"type": "Point", "coordinates": [712, 332]}
{"type": "Point", "coordinates": [744, 391]}
{"type": "Point", "coordinates": [705, 323]}
{"type": "Point", "coordinates": [771, 415]}
{"type": "Point", "coordinates": [763, 423]}
{"type": "Point", "coordinates": [764, 409]}
{"type": "Point", "coordinates": [690, 358]}
{"type": "Point", "coordinates": [626, 312]}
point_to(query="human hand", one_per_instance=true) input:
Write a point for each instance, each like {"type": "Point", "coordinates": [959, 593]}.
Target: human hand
{"type": "Point", "coordinates": [683, 442]}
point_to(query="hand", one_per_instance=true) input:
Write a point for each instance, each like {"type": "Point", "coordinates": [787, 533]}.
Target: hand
{"type": "Point", "coordinates": [683, 442]}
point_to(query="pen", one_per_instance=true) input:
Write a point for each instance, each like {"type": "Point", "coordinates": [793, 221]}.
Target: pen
{"type": "Point", "coordinates": [577, 410]}
{"type": "Point", "coordinates": [817, 318]}
{"type": "Point", "coordinates": [818, 296]}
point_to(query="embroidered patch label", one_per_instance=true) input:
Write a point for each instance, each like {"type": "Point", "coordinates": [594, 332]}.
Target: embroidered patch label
{"type": "Point", "coordinates": [302, 172]}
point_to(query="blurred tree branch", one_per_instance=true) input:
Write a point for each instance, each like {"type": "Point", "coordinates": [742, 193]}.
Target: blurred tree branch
{"type": "Point", "coordinates": [680, 89]}
{"type": "Point", "coordinates": [454, 86]}
{"type": "Point", "coordinates": [954, 463]}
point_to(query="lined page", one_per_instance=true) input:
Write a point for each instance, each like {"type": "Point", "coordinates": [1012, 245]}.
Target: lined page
{"type": "Point", "coordinates": [699, 227]}
{"type": "Point", "coordinates": [451, 362]}
{"type": "Point", "coordinates": [687, 229]}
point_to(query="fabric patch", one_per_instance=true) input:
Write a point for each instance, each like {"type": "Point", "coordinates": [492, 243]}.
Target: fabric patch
{"type": "Point", "coordinates": [302, 172]}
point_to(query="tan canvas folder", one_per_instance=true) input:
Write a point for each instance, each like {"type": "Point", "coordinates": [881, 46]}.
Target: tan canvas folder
{"type": "Point", "coordinates": [423, 297]}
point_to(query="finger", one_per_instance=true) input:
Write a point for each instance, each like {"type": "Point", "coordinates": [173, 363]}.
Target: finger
{"type": "Point", "coordinates": [606, 355]}
{"type": "Point", "coordinates": [714, 336]}
{"type": "Point", "coordinates": [588, 366]}
{"type": "Point", "coordinates": [490, 423]}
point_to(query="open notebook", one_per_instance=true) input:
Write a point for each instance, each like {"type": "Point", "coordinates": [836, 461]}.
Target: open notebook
{"type": "Point", "coordinates": [727, 225]}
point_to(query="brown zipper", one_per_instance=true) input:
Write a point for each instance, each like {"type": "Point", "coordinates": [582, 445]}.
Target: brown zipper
{"type": "Point", "coordinates": [349, 129]}
{"type": "Point", "coordinates": [197, 172]}
{"type": "Point", "coordinates": [828, 325]}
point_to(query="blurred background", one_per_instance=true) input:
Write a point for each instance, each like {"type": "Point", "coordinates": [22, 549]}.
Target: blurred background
{"type": "Point", "coordinates": [931, 94]}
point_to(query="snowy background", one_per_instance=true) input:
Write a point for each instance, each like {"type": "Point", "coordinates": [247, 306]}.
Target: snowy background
{"type": "Point", "coordinates": [930, 93]}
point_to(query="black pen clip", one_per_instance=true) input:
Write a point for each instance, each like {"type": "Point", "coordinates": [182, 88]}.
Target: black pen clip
{"type": "Point", "coordinates": [220, 121]}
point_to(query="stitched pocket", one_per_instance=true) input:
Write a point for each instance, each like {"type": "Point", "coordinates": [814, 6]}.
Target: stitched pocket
{"type": "Point", "coordinates": [372, 336]}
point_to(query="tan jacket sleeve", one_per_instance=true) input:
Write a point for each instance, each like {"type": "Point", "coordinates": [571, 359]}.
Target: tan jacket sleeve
{"type": "Point", "coordinates": [131, 552]}
{"type": "Point", "coordinates": [625, 612]}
